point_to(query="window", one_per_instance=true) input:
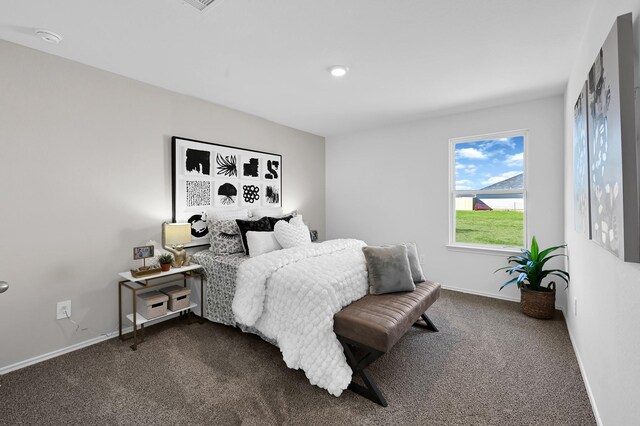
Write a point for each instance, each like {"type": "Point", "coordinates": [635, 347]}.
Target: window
{"type": "Point", "coordinates": [488, 190]}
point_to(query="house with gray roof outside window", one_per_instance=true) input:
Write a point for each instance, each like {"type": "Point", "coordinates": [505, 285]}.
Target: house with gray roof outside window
{"type": "Point", "coordinates": [502, 201]}
{"type": "Point", "coordinates": [496, 201]}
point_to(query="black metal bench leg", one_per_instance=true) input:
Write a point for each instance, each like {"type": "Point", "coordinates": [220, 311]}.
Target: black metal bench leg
{"type": "Point", "coordinates": [428, 324]}
{"type": "Point", "coordinates": [370, 390]}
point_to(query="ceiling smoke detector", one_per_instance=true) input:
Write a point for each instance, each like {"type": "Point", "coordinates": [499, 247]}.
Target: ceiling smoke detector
{"type": "Point", "coordinates": [202, 5]}
{"type": "Point", "coordinates": [49, 36]}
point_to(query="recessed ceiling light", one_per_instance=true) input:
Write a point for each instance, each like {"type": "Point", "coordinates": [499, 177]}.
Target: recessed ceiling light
{"type": "Point", "coordinates": [49, 36]}
{"type": "Point", "coordinates": [338, 70]}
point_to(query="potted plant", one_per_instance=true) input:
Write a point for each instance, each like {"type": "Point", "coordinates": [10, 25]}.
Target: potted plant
{"type": "Point", "coordinates": [536, 300]}
{"type": "Point", "coordinates": [165, 260]}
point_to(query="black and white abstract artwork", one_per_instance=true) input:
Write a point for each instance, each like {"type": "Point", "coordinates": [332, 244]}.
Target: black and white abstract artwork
{"type": "Point", "coordinates": [197, 162]}
{"type": "Point", "coordinates": [272, 171]}
{"type": "Point", "coordinates": [250, 195]}
{"type": "Point", "coordinates": [199, 227]}
{"type": "Point", "coordinates": [208, 176]}
{"type": "Point", "coordinates": [613, 155]}
{"type": "Point", "coordinates": [197, 193]}
{"type": "Point", "coordinates": [581, 219]}
{"type": "Point", "coordinates": [226, 194]}
{"type": "Point", "coordinates": [272, 194]}
{"type": "Point", "coordinates": [226, 165]}
{"type": "Point", "coordinates": [251, 167]}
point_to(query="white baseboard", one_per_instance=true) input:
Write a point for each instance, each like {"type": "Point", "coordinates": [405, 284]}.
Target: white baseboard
{"type": "Point", "coordinates": [74, 347]}
{"type": "Point", "coordinates": [491, 295]}
{"type": "Point", "coordinates": [62, 351]}
{"type": "Point", "coordinates": [585, 379]}
{"type": "Point", "coordinates": [71, 348]}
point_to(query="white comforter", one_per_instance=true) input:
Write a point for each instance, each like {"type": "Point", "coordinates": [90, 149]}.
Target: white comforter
{"type": "Point", "coordinates": [291, 296]}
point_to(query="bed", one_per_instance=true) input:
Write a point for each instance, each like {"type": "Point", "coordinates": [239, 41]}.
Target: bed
{"type": "Point", "coordinates": [289, 297]}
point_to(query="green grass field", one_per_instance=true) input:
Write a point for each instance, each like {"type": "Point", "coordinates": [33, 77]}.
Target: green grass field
{"type": "Point", "coordinates": [499, 227]}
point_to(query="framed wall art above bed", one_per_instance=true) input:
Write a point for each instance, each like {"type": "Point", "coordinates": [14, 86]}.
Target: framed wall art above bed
{"type": "Point", "coordinates": [207, 175]}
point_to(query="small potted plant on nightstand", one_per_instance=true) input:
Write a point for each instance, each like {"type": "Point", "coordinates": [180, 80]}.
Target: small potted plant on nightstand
{"type": "Point", "coordinates": [165, 260]}
{"type": "Point", "coordinates": [536, 300]}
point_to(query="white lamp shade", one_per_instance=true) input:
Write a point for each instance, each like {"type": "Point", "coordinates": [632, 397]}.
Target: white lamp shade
{"type": "Point", "coordinates": [177, 233]}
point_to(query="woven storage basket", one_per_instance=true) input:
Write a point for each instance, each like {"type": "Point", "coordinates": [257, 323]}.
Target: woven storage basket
{"type": "Point", "coordinates": [538, 304]}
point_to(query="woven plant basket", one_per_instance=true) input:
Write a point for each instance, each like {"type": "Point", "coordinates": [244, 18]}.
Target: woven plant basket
{"type": "Point", "coordinates": [538, 304]}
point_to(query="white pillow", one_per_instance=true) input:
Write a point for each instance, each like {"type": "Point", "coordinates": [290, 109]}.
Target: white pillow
{"type": "Point", "coordinates": [227, 214]}
{"type": "Point", "coordinates": [291, 235]}
{"type": "Point", "coordinates": [297, 221]}
{"type": "Point", "coordinates": [261, 243]}
{"type": "Point", "coordinates": [267, 211]}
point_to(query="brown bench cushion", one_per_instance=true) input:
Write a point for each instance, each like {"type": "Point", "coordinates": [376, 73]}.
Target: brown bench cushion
{"type": "Point", "coordinates": [379, 321]}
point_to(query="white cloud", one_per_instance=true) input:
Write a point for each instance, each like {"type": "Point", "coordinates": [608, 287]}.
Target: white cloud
{"type": "Point", "coordinates": [498, 142]}
{"type": "Point", "coordinates": [466, 168]}
{"type": "Point", "coordinates": [500, 178]}
{"type": "Point", "coordinates": [464, 184]}
{"type": "Point", "coordinates": [473, 153]}
{"type": "Point", "coordinates": [515, 159]}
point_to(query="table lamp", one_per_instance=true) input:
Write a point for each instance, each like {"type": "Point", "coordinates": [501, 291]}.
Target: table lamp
{"type": "Point", "coordinates": [174, 237]}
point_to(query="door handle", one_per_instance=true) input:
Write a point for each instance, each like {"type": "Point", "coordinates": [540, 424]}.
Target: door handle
{"type": "Point", "coordinates": [4, 286]}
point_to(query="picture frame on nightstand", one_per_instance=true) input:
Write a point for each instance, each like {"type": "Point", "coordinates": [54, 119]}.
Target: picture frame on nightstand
{"type": "Point", "coordinates": [143, 252]}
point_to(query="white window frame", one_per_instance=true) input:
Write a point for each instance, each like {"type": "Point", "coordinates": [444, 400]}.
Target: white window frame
{"type": "Point", "coordinates": [453, 193]}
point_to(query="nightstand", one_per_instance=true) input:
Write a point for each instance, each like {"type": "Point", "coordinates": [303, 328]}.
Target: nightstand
{"type": "Point", "coordinates": [174, 275]}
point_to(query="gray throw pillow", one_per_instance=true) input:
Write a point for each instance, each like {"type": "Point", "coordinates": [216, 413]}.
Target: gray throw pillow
{"type": "Point", "coordinates": [389, 269]}
{"type": "Point", "coordinates": [414, 263]}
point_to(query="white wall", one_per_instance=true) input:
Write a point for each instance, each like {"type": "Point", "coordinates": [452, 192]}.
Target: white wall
{"type": "Point", "coordinates": [85, 176]}
{"type": "Point", "coordinates": [606, 327]}
{"type": "Point", "coordinates": [391, 185]}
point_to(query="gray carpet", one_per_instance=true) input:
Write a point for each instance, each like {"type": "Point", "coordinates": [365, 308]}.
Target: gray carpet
{"type": "Point", "coordinates": [489, 364]}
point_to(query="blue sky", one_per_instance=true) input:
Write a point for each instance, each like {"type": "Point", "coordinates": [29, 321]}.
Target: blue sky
{"type": "Point", "coordinates": [485, 162]}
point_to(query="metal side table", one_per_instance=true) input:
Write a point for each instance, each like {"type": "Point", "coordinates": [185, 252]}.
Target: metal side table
{"type": "Point", "coordinates": [134, 284]}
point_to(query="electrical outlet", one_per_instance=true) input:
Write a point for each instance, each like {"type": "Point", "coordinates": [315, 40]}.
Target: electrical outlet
{"type": "Point", "coordinates": [61, 308]}
{"type": "Point", "coordinates": [575, 306]}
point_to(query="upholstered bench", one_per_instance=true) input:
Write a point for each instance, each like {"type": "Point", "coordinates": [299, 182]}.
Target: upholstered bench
{"type": "Point", "coordinates": [369, 327]}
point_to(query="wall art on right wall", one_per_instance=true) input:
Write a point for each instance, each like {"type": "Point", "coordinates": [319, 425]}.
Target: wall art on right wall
{"type": "Point", "coordinates": [581, 219]}
{"type": "Point", "coordinates": [613, 161]}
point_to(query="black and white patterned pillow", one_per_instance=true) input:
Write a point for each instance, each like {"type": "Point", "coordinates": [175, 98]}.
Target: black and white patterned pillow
{"type": "Point", "coordinates": [225, 237]}
{"type": "Point", "coordinates": [273, 220]}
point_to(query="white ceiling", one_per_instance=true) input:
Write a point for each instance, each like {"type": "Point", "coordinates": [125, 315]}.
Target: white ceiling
{"type": "Point", "coordinates": [408, 58]}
